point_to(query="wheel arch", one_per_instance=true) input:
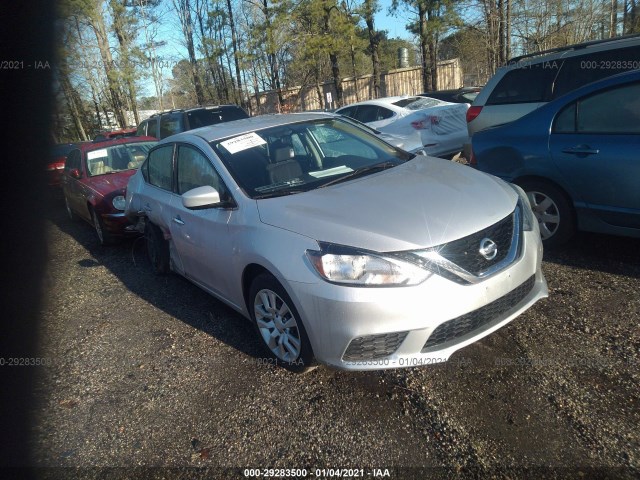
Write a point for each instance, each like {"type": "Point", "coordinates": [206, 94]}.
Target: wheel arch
{"type": "Point", "coordinates": [249, 273]}
{"type": "Point", "coordinates": [537, 178]}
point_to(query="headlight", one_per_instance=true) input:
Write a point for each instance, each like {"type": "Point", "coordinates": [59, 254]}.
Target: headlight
{"type": "Point", "coordinates": [346, 265]}
{"type": "Point", "coordinates": [118, 202]}
{"type": "Point", "coordinates": [528, 219]}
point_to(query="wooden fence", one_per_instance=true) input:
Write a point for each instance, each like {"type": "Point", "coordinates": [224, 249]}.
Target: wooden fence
{"type": "Point", "coordinates": [402, 81]}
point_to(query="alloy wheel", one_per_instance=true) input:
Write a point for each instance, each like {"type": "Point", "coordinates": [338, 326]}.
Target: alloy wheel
{"type": "Point", "coordinates": [547, 213]}
{"type": "Point", "coordinates": [277, 325]}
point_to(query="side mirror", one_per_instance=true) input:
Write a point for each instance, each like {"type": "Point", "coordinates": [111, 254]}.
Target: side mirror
{"type": "Point", "coordinates": [75, 173]}
{"type": "Point", "coordinates": [201, 197]}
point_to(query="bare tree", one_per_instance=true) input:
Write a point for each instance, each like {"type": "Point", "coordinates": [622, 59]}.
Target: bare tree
{"type": "Point", "coordinates": [183, 9]}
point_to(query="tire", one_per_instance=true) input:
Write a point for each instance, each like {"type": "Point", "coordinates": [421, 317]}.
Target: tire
{"type": "Point", "coordinates": [104, 237]}
{"type": "Point", "coordinates": [157, 249]}
{"type": "Point", "coordinates": [279, 326]}
{"type": "Point", "coordinates": [72, 216]}
{"type": "Point", "coordinates": [553, 210]}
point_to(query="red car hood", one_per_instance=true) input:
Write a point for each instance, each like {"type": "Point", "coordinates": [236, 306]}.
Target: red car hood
{"type": "Point", "coordinates": [110, 182]}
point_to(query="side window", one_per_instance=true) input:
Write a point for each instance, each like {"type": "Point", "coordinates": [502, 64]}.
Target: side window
{"type": "Point", "coordinates": [367, 113]}
{"type": "Point", "coordinates": [152, 127]}
{"type": "Point", "coordinates": [73, 160]}
{"type": "Point", "coordinates": [298, 147]}
{"type": "Point", "coordinates": [142, 129]}
{"type": "Point", "coordinates": [578, 71]}
{"type": "Point", "coordinates": [160, 167]}
{"type": "Point", "coordinates": [525, 84]}
{"type": "Point", "coordinates": [195, 170]}
{"type": "Point", "coordinates": [384, 113]}
{"type": "Point", "coordinates": [614, 111]}
{"type": "Point", "coordinates": [565, 121]}
{"type": "Point", "coordinates": [171, 124]}
{"type": "Point", "coordinates": [348, 112]}
{"type": "Point", "coordinates": [232, 113]}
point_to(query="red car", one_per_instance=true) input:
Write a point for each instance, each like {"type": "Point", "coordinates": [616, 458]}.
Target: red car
{"type": "Point", "coordinates": [55, 163]}
{"type": "Point", "coordinates": [94, 180]}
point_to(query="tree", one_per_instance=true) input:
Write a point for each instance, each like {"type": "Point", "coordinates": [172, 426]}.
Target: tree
{"type": "Point", "coordinates": [125, 28]}
{"type": "Point", "coordinates": [183, 9]}
{"type": "Point", "coordinates": [369, 7]}
{"type": "Point", "coordinates": [434, 18]}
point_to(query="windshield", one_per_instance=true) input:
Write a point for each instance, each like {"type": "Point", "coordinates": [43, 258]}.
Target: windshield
{"type": "Point", "coordinates": [417, 103]}
{"type": "Point", "coordinates": [303, 156]}
{"type": "Point", "coordinates": [117, 158]}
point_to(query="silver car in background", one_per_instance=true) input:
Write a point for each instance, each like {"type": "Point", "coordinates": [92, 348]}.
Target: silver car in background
{"type": "Point", "coordinates": [339, 247]}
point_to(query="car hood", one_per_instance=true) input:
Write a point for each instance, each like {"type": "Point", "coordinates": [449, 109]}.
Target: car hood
{"type": "Point", "coordinates": [110, 182]}
{"type": "Point", "coordinates": [419, 204]}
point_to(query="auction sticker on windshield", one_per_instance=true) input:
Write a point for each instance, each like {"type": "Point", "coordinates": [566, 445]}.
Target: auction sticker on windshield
{"type": "Point", "coordinates": [97, 154]}
{"type": "Point", "coordinates": [243, 142]}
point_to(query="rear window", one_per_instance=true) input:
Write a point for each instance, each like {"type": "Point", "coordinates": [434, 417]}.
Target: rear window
{"type": "Point", "coordinates": [171, 124]}
{"type": "Point", "coordinates": [62, 150]}
{"type": "Point", "coordinates": [417, 103]}
{"type": "Point", "coordinates": [525, 84]}
{"type": "Point", "coordinates": [211, 116]}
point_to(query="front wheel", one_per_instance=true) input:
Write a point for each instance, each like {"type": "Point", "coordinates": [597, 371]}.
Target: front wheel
{"type": "Point", "coordinates": [104, 237]}
{"type": "Point", "coordinates": [552, 209]}
{"type": "Point", "coordinates": [279, 326]}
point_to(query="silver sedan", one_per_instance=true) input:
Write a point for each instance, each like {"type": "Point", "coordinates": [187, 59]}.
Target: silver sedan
{"type": "Point", "coordinates": [340, 248]}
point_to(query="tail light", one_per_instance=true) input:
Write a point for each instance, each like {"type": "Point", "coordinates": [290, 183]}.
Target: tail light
{"type": "Point", "coordinates": [427, 122]}
{"type": "Point", "coordinates": [472, 113]}
{"type": "Point", "coordinates": [55, 166]}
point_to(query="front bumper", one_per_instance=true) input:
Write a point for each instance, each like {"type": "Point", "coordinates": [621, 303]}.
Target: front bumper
{"type": "Point", "coordinates": [118, 224]}
{"type": "Point", "coordinates": [378, 328]}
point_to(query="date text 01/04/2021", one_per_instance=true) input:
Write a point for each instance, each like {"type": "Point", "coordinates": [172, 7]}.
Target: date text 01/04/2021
{"type": "Point", "coordinates": [317, 472]}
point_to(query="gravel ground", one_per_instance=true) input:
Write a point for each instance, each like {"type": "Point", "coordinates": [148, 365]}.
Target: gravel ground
{"type": "Point", "coordinates": [145, 371]}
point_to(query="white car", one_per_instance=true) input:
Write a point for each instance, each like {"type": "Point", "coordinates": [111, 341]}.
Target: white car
{"type": "Point", "coordinates": [420, 124]}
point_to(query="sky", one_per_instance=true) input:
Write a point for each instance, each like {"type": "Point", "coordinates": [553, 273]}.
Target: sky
{"type": "Point", "coordinates": [396, 25]}
{"type": "Point", "coordinates": [170, 32]}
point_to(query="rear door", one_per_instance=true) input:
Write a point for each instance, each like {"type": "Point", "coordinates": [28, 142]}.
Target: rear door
{"type": "Point", "coordinates": [73, 188]}
{"type": "Point", "coordinates": [595, 142]}
{"type": "Point", "coordinates": [155, 198]}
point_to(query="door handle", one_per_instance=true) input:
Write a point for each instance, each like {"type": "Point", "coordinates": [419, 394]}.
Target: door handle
{"type": "Point", "coordinates": [581, 150]}
{"type": "Point", "coordinates": [178, 220]}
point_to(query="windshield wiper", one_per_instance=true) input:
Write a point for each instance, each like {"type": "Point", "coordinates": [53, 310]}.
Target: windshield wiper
{"type": "Point", "coordinates": [280, 193]}
{"type": "Point", "coordinates": [360, 172]}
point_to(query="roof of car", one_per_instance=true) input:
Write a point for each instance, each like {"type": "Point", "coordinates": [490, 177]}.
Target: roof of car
{"type": "Point", "coordinates": [578, 48]}
{"type": "Point", "coordinates": [85, 147]}
{"type": "Point", "coordinates": [193, 109]}
{"type": "Point", "coordinates": [246, 125]}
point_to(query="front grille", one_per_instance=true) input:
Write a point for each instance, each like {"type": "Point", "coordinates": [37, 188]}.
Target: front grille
{"type": "Point", "coordinates": [471, 321]}
{"type": "Point", "coordinates": [465, 252]}
{"type": "Point", "coordinates": [374, 346]}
